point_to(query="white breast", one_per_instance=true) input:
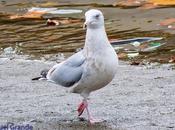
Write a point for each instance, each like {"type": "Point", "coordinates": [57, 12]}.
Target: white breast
{"type": "Point", "coordinates": [99, 71]}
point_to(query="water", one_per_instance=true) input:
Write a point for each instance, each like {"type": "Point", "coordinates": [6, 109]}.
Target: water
{"type": "Point", "coordinates": [34, 38]}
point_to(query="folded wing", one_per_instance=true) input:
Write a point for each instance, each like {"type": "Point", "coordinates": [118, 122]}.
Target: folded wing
{"type": "Point", "coordinates": [68, 72]}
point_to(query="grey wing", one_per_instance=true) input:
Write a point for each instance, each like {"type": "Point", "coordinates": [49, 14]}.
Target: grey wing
{"type": "Point", "coordinates": [69, 72]}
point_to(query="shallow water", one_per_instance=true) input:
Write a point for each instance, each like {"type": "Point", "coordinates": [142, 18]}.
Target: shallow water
{"type": "Point", "coordinates": [34, 38]}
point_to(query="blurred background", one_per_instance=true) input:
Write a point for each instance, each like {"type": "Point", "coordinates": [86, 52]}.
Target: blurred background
{"type": "Point", "coordinates": [52, 29]}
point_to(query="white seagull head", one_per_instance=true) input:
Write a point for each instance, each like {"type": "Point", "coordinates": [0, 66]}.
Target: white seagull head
{"type": "Point", "coordinates": [94, 19]}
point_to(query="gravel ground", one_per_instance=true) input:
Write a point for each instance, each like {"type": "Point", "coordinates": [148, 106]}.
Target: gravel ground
{"type": "Point", "coordinates": [139, 98]}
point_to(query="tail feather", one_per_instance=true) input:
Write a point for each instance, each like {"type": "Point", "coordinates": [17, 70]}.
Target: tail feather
{"type": "Point", "coordinates": [36, 78]}
{"type": "Point", "coordinates": [43, 75]}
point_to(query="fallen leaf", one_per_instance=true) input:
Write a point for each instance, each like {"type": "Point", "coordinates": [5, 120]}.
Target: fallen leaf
{"type": "Point", "coordinates": [167, 22]}
{"type": "Point", "coordinates": [122, 55]}
{"type": "Point", "coordinates": [52, 22]}
{"type": "Point", "coordinates": [162, 2]}
{"type": "Point", "coordinates": [62, 21]}
{"type": "Point", "coordinates": [129, 3]}
{"type": "Point", "coordinates": [112, 40]}
{"type": "Point", "coordinates": [30, 15]}
{"type": "Point", "coordinates": [145, 4]}
{"type": "Point", "coordinates": [149, 6]}
{"type": "Point", "coordinates": [69, 21]}
{"type": "Point", "coordinates": [172, 59]}
{"type": "Point", "coordinates": [48, 4]}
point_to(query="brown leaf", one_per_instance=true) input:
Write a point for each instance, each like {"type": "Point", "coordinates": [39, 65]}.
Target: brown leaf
{"type": "Point", "coordinates": [145, 4]}
{"type": "Point", "coordinates": [149, 6]}
{"type": "Point", "coordinates": [61, 21]}
{"type": "Point", "coordinates": [69, 21]}
{"type": "Point", "coordinates": [162, 2]}
{"type": "Point", "coordinates": [52, 22]}
{"type": "Point", "coordinates": [30, 15]}
{"type": "Point", "coordinates": [49, 4]}
{"type": "Point", "coordinates": [172, 59]}
{"type": "Point", "coordinates": [129, 3]}
{"type": "Point", "coordinates": [122, 55]}
{"type": "Point", "coordinates": [112, 40]}
{"type": "Point", "coordinates": [167, 22]}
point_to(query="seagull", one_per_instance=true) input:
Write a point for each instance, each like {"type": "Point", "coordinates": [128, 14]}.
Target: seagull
{"type": "Point", "coordinates": [91, 68]}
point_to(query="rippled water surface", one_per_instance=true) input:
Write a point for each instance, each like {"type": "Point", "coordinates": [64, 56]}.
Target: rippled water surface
{"type": "Point", "coordinates": [34, 38]}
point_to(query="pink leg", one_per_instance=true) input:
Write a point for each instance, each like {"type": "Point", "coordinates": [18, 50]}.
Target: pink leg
{"type": "Point", "coordinates": [81, 107]}
{"type": "Point", "coordinates": [84, 105]}
{"type": "Point", "coordinates": [90, 118]}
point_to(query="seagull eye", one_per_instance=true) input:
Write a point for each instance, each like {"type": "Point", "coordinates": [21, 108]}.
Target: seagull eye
{"type": "Point", "coordinates": [97, 16]}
